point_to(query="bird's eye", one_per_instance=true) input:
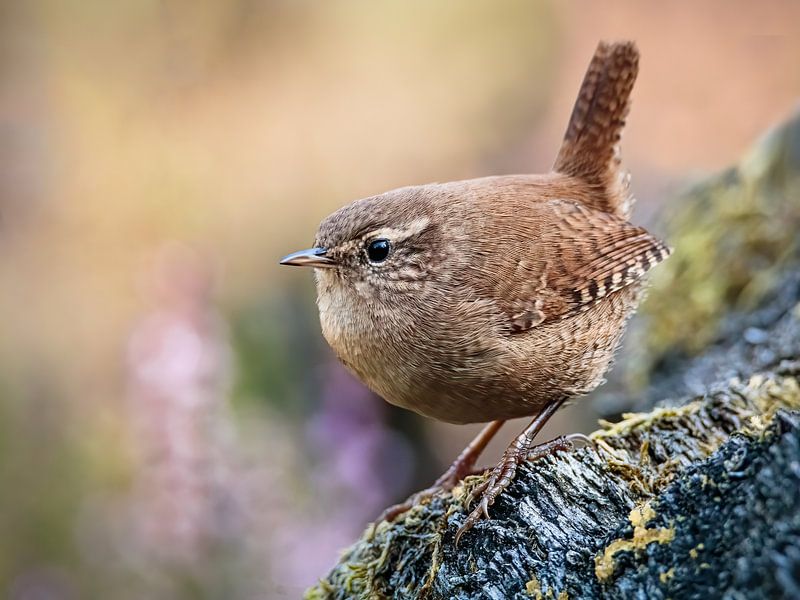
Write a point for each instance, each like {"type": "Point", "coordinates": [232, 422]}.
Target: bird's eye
{"type": "Point", "coordinates": [378, 250]}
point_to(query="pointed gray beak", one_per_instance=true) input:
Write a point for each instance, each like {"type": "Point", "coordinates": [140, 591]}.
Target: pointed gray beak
{"type": "Point", "coordinates": [313, 257]}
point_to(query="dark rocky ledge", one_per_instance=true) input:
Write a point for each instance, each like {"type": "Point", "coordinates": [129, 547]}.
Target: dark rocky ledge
{"type": "Point", "coordinates": [701, 499]}
{"type": "Point", "coordinates": [696, 498]}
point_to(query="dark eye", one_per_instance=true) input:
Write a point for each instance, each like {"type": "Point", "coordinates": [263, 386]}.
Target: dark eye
{"type": "Point", "coordinates": [378, 250]}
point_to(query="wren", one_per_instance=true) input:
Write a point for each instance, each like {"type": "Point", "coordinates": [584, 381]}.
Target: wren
{"type": "Point", "coordinates": [493, 298]}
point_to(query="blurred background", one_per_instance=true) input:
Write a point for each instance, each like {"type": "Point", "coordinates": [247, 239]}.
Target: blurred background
{"type": "Point", "coordinates": [172, 424]}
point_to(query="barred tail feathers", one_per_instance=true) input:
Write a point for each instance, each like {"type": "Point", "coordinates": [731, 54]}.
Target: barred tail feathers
{"type": "Point", "coordinates": [591, 143]}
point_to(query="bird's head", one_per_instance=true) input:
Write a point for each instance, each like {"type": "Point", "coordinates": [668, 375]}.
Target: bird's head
{"type": "Point", "coordinates": [378, 248]}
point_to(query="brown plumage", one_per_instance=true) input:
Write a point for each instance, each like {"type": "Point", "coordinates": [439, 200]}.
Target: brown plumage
{"type": "Point", "coordinates": [498, 297]}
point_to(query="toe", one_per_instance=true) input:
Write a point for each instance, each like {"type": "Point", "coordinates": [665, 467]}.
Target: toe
{"type": "Point", "coordinates": [391, 513]}
{"type": "Point", "coordinates": [476, 492]}
{"type": "Point", "coordinates": [485, 507]}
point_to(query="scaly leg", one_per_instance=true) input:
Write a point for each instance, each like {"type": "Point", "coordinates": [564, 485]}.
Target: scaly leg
{"type": "Point", "coordinates": [503, 474]}
{"type": "Point", "coordinates": [462, 466]}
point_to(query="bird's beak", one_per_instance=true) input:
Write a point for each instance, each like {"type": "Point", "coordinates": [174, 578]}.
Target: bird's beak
{"type": "Point", "coordinates": [313, 257]}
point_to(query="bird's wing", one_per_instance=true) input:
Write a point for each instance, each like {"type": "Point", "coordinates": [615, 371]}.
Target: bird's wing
{"type": "Point", "coordinates": [580, 256]}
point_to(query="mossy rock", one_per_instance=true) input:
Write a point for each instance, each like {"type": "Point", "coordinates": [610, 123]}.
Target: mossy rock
{"type": "Point", "coordinates": [734, 235]}
{"type": "Point", "coordinates": [667, 501]}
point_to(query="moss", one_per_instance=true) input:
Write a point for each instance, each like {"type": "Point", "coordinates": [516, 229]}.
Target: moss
{"type": "Point", "coordinates": [635, 445]}
{"type": "Point", "coordinates": [733, 235]}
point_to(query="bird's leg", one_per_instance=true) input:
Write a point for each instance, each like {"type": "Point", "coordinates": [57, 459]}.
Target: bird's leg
{"type": "Point", "coordinates": [502, 475]}
{"type": "Point", "coordinates": [462, 466]}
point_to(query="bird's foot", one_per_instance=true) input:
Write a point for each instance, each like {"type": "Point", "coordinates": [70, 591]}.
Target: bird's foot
{"type": "Point", "coordinates": [457, 471]}
{"type": "Point", "coordinates": [503, 474]}
{"type": "Point", "coordinates": [462, 466]}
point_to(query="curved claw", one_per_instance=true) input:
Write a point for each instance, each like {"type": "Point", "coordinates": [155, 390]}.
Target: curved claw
{"type": "Point", "coordinates": [572, 437]}
{"type": "Point", "coordinates": [479, 512]}
{"type": "Point", "coordinates": [485, 507]}
{"type": "Point", "coordinates": [461, 531]}
{"type": "Point", "coordinates": [473, 518]}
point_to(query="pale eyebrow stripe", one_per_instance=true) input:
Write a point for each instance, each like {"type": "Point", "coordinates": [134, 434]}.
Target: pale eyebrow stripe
{"type": "Point", "coordinates": [411, 229]}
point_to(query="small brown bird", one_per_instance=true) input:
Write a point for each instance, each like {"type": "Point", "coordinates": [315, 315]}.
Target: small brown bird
{"type": "Point", "coordinates": [493, 298]}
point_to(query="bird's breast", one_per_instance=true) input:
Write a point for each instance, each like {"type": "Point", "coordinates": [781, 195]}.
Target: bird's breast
{"type": "Point", "coordinates": [444, 364]}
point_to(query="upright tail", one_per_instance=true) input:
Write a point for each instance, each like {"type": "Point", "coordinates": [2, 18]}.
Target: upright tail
{"type": "Point", "coordinates": [591, 144]}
